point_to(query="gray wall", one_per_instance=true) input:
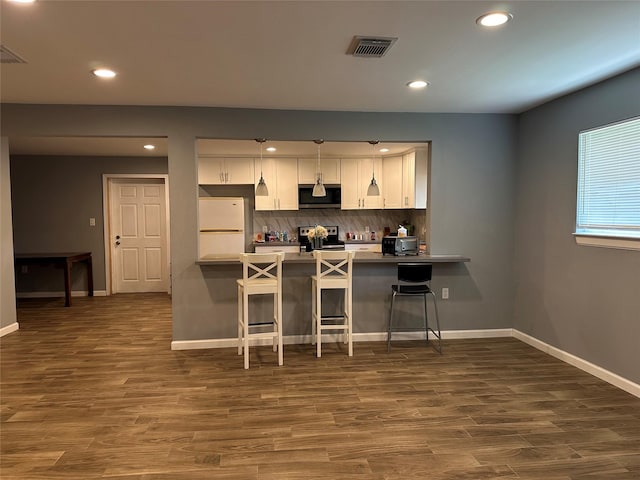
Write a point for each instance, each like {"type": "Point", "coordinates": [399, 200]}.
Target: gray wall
{"type": "Point", "coordinates": [583, 300]}
{"type": "Point", "coordinates": [7, 286]}
{"type": "Point", "coordinates": [472, 191]}
{"type": "Point", "coordinates": [53, 198]}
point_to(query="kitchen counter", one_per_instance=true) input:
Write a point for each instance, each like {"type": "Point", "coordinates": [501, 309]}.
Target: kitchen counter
{"type": "Point", "coordinates": [360, 257]}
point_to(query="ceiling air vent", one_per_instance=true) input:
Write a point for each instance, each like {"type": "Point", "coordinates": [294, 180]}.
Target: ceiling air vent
{"type": "Point", "coordinates": [370, 46]}
{"type": "Point", "coordinates": [7, 56]}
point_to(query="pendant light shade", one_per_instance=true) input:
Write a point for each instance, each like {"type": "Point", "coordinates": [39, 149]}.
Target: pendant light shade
{"type": "Point", "coordinates": [318, 188]}
{"type": "Point", "coordinates": [261, 188]}
{"type": "Point", "coordinates": [373, 190]}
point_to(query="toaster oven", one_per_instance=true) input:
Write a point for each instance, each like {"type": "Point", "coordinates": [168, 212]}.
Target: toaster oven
{"type": "Point", "coordinates": [400, 245]}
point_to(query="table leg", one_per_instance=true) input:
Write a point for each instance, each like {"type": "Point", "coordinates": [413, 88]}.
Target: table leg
{"type": "Point", "coordinates": [67, 283]}
{"type": "Point", "coordinates": [90, 276]}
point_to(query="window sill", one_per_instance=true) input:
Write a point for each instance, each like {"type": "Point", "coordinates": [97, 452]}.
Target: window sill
{"type": "Point", "coordinates": [590, 240]}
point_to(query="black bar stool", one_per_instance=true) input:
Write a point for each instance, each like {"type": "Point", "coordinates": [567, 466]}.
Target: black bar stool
{"type": "Point", "coordinates": [413, 279]}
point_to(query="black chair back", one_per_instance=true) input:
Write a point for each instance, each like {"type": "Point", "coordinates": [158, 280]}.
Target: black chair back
{"type": "Point", "coordinates": [414, 272]}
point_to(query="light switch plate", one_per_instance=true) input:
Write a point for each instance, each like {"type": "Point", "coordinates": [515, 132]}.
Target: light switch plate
{"type": "Point", "coordinates": [92, 222]}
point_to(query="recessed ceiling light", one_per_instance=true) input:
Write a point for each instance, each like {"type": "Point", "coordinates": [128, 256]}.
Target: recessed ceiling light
{"type": "Point", "coordinates": [384, 150]}
{"type": "Point", "coordinates": [493, 19]}
{"type": "Point", "coordinates": [22, 1]}
{"type": "Point", "coordinates": [104, 73]}
{"type": "Point", "coordinates": [150, 147]}
{"type": "Point", "coordinates": [417, 84]}
{"type": "Point", "coordinates": [271, 149]}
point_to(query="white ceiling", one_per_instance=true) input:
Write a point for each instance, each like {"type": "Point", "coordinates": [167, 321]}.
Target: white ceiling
{"type": "Point", "coordinates": [292, 54]}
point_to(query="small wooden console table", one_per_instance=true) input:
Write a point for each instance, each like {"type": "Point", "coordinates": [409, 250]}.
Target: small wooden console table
{"type": "Point", "coordinates": [65, 260]}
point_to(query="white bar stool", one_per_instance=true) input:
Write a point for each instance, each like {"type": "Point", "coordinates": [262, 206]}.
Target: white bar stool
{"type": "Point", "coordinates": [261, 275]}
{"type": "Point", "coordinates": [333, 271]}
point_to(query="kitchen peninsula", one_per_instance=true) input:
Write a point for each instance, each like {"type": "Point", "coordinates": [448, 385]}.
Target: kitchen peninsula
{"type": "Point", "coordinates": [373, 275]}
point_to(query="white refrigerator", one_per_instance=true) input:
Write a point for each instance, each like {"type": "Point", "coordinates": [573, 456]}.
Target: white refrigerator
{"type": "Point", "coordinates": [221, 224]}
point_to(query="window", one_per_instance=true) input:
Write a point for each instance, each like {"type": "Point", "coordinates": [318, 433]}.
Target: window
{"type": "Point", "coordinates": [609, 182]}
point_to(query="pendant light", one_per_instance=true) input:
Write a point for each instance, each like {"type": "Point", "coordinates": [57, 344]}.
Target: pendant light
{"type": "Point", "coordinates": [373, 190]}
{"type": "Point", "coordinates": [318, 188]}
{"type": "Point", "coordinates": [261, 188]}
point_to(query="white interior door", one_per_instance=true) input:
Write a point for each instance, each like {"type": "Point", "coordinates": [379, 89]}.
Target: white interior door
{"type": "Point", "coordinates": [138, 235]}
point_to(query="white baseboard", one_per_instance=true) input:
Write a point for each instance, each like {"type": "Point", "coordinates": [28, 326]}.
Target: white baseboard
{"type": "Point", "coordinates": [595, 370]}
{"type": "Point", "coordinates": [8, 329]}
{"type": "Point", "coordinates": [357, 337]}
{"type": "Point", "coordinates": [601, 373]}
{"type": "Point", "coordinates": [74, 293]}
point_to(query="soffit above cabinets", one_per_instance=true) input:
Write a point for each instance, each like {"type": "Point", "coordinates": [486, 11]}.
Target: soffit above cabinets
{"type": "Point", "coordinates": [328, 149]}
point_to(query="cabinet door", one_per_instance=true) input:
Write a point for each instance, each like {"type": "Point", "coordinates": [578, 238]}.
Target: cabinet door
{"type": "Point", "coordinates": [421, 180]}
{"type": "Point", "coordinates": [268, 169]}
{"type": "Point", "coordinates": [239, 171]}
{"type": "Point", "coordinates": [330, 169]}
{"type": "Point", "coordinates": [210, 171]}
{"type": "Point", "coordinates": [367, 168]}
{"type": "Point", "coordinates": [287, 183]}
{"type": "Point", "coordinates": [409, 180]}
{"type": "Point", "coordinates": [350, 185]}
{"type": "Point", "coordinates": [307, 171]}
{"type": "Point", "coordinates": [393, 173]}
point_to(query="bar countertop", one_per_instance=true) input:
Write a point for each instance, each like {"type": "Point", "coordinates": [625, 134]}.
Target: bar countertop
{"type": "Point", "coordinates": [360, 257]}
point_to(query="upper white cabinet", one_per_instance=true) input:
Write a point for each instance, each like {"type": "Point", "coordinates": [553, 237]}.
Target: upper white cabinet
{"type": "Point", "coordinates": [414, 178]}
{"type": "Point", "coordinates": [393, 196]}
{"type": "Point", "coordinates": [225, 171]}
{"type": "Point", "coordinates": [329, 168]}
{"type": "Point", "coordinates": [356, 177]}
{"type": "Point", "coordinates": [405, 180]}
{"type": "Point", "coordinates": [281, 177]}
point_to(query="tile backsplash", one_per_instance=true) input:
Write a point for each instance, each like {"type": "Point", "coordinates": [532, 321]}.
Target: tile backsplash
{"type": "Point", "coordinates": [355, 221]}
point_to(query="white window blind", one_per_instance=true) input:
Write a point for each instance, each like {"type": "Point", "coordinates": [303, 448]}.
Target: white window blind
{"type": "Point", "coordinates": [609, 180]}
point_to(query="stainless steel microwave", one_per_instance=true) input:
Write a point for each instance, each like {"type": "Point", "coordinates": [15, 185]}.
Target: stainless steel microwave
{"type": "Point", "coordinates": [332, 199]}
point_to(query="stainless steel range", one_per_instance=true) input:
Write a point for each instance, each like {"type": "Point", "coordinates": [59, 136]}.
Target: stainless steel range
{"type": "Point", "coordinates": [329, 243]}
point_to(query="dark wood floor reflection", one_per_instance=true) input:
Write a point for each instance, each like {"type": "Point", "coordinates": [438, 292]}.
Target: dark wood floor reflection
{"type": "Point", "coordinates": [94, 391]}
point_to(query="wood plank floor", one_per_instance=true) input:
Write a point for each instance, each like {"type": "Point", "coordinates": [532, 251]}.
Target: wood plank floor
{"type": "Point", "coordinates": [94, 391]}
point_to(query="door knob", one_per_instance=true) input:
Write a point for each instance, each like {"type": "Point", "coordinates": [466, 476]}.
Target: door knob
{"type": "Point", "coordinates": [117, 243]}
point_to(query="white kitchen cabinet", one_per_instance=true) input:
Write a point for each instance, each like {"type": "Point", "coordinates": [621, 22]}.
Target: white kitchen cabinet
{"type": "Point", "coordinates": [281, 177]}
{"type": "Point", "coordinates": [277, 248]}
{"type": "Point", "coordinates": [364, 247]}
{"type": "Point", "coordinates": [414, 178]}
{"type": "Point", "coordinates": [225, 171]}
{"type": "Point", "coordinates": [356, 177]}
{"type": "Point", "coordinates": [329, 168]}
{"type": "Point", "coordinates": [393, 173]}
{"type": "Point", "coordinates": [405, 180]}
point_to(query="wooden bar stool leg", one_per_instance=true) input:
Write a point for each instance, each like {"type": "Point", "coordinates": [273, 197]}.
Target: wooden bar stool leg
{"type": "Point", "coordinates": [318, 295]}
{"type": "Point", "coordinates": [245, 317]}
{"type": "Point", "coordinates": [349, 321]}
{"type": "Point", "coordinates": [279, 326]}
{"type": "Point", "coordinates": [240, 326]}
{"type": "Point", "coordinates": [313, 310]}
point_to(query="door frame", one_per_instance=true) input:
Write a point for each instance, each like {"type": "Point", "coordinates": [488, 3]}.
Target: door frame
{"type": "Point", "coordinates": [107, 180]}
